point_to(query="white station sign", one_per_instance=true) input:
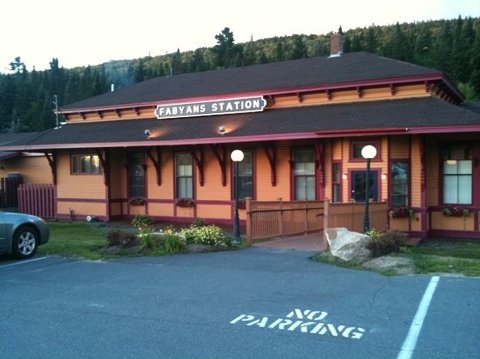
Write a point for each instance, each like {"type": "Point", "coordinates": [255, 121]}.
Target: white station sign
{"type": "Point", "coordinates": [210, 108]}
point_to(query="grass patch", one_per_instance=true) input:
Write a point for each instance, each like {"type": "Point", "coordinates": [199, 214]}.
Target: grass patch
{"type": "Point", "coordinates": [429, 257]}
{"type": "Point", "coordinates": [75, 239]}
{"type": "Point", "coordinates": [435, 256]}
{"type": "Point", "coordinates": [96, 241]}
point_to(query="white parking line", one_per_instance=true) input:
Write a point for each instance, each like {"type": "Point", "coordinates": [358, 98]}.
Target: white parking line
{"type": "Point", "coordinates": [409, 344]}
{"type": "Point", "coordinates": [23, 262]}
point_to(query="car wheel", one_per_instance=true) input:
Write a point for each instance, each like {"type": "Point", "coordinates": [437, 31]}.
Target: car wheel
{"type": "Point", "coordinates": [25, 242]}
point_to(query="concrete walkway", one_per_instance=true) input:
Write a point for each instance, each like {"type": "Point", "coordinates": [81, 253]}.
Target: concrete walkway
{"type": "Point", "coordinates": [306, 243]}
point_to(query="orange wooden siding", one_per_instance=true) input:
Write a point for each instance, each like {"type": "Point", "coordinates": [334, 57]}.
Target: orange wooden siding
{"type": "Point", "coordinates": [212, 187]}
{"type": "Point", "coordinates": [314, 97]}
{"type": "Point", "coordinates": [34, 169]}
{"type": "Point", "coordinates": [80, 210]}
{"type": "Point", "coordinates": [71, 189]}
{"type": "Point", "coordinates": [77, 186]}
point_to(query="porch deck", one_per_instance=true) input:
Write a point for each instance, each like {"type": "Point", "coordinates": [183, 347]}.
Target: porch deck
{"type": "Point", "coordinates": [306, 243]}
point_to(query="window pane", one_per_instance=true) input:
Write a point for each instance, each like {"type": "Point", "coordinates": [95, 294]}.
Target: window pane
{"type": "Point", "coordinates": [310, 188]}
{"type": "Point", "coordinates": [450, 167]}
{"type": "Point", "coordinates": [136, 175]}
{"type": "Point", "coordinates": [85, 164]}
{"type": "Point", "coordinates": [399, 184]}
{"type": "Point", "coordinates": [336, 192]}
{"type": "Point", "coordinates": [75, 166]}
{"type": "Point", "coordinates": [245, 176]}
{"type": "Point", "coordinates": [465, 190]}
{"type": "Point", "coordinates": [304, 172]}
{"type": "Point", "coordinates": [300, 188]}
{"type": "Point", "coordinates": [299, 169]}
{"type": "Point", "coordinates": [357, 149]}
{"type": "Point", "coordinates": [465, 167]}
{"type": "Point", "coordinates": [336, 173]}
{"type": "Point", "coordinates": [245, 187]}
{"type": "Point", "coordinates": [310, 168]}
{"type": "Point", "coordinates": [184, 187]}
{"type": "Point", "coordinates": [450, 186]}
{"type": "Point", "coordinates": [95, 164]}
{"type": "Point", "coordinates": [184, 174]}
{"type": "Point", "coordinates": [457, 181]}
{"type": "Point", "coordinates": [303, 156]}
{"type": "Point", "coordinates": [245, 167]}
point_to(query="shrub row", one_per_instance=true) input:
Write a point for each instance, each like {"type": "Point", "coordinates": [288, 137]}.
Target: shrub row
{"type": "Point", "coordinates": [384, 243]}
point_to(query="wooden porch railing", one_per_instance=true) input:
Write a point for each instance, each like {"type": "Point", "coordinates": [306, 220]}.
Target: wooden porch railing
{"type": "Point", "coordinates": [350, 215]}
{"type": "Point", "coordinates": [270, 219]}
{"type": "Point", "coordinates": [37, 199]}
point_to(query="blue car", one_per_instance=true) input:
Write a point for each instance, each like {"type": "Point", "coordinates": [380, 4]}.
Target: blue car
{"type": "Point", "coordinates": [21, 234]}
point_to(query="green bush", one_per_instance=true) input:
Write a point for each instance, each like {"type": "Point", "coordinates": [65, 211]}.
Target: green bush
{"type": "Point", "coordinates": [211, 235]}
{"type": "Point", "coordinates": [117, 237]}
{"type": "Point", "coordinates": [141, 221]}
{"type": "Point", "coordinates": [174, 243]}
{"type": "Point", "coordinates": [151, 241]}
{"type": "Point", "coordinates": [386, 243]}
{"type": "Point", "coordinates": [199, 223]}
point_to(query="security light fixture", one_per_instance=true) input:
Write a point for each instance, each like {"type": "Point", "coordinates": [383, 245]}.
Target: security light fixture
{"type": "Point", "coordinates": [222, 130]}
{"type": "Point", "coordinates": [147, 133]}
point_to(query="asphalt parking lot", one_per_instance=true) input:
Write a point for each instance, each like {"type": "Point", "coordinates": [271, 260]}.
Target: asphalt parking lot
{"type": "Point", "coordinates": [253, 303]}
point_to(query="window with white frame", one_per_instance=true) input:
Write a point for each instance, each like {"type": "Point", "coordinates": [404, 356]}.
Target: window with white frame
{"type": "Point", "coordinates": [304, 174]}
{"type": "Point", "coordinates": [184, 175]}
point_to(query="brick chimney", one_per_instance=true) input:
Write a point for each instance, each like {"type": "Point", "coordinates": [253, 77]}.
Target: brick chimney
{"type": "Point", "coordinates": [336, 43]}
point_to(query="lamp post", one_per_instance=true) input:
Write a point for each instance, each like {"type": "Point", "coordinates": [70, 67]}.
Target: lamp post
{"type": "Point", "coordinates": [368, 152]}
{"type": "Point", "coordinates": [236, 156]}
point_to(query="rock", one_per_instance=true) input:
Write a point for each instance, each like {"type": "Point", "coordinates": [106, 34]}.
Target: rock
{"type": "Point", "coordinates": [395, 264]}
{"type": "Point", "coordinates": [348, 246]}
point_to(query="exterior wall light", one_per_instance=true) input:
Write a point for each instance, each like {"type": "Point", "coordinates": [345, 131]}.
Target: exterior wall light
{"type": "Point", "coordinates": [222, 130]}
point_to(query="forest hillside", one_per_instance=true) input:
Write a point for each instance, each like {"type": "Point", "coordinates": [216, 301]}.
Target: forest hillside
{"type": "Point", "coordinates": [28, 98]}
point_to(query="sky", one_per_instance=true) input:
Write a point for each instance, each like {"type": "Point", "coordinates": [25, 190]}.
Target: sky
{"type": "Point", "coordinates": [91, 32]}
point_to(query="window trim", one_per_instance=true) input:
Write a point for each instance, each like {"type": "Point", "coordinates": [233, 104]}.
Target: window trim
{"type": "Point", "coordinates": [175, 176]}
{"type": "Point", "coordinates": [443, 148]}
{"type": "Point", "coordinates": [144, 165]}
{"type": "Point", "coordinates": [254, 171]}
{"type": "Point", "coordinates": [376, 143]}
{"type": "Point", "coordinates": [79, 155]}
{"type": "Point", "coordinates": [340, 181]}
{"type": "Point", "coordinates": [409, 182]}
{"type": "Point", "coordinates": [293, 191]}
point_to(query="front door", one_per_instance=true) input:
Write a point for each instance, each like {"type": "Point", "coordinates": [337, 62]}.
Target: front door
{"type": "Point", "coordinates": [358, 186]}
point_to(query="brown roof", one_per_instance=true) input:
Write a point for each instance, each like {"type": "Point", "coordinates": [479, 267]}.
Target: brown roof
{"type": "Point", "coordinates": [264, 79]}
{"type": "Point", "coordinates": [416, 115]}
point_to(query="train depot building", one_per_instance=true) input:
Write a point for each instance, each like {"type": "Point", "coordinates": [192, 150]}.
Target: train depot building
{"type": "Point", "coordinates": [162, 147]}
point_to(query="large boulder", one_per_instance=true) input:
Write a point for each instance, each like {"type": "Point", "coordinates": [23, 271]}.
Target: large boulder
{"type": "Point", "coordinates": [348, 246]}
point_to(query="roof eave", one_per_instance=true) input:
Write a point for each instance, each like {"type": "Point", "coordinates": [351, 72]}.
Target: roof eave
{"type": "Point", "coordinates": [254, 138]}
